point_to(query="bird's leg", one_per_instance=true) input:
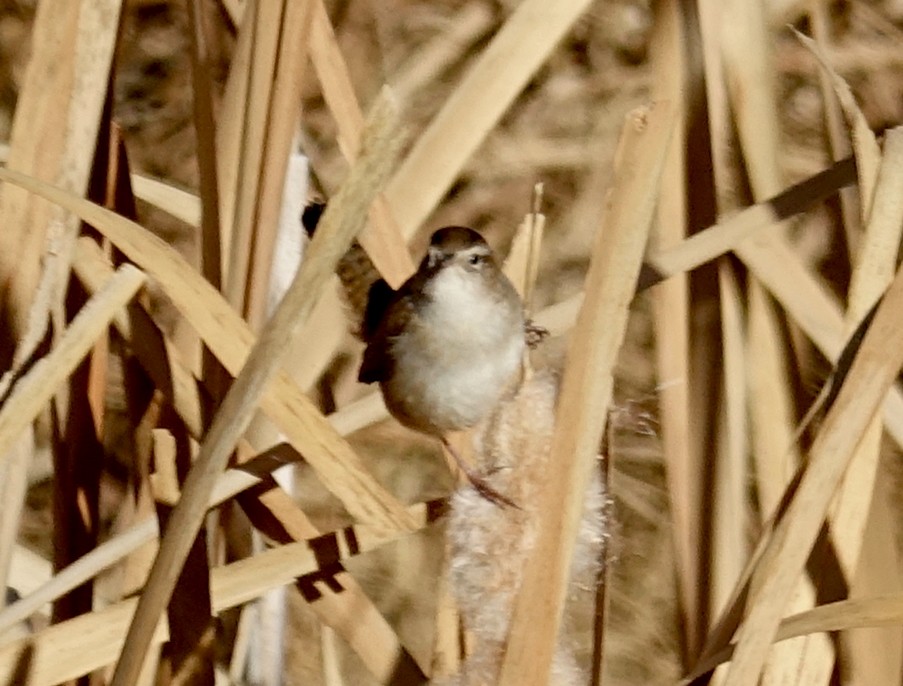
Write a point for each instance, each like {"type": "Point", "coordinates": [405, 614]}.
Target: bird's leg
{"type": "Point", "coordinates": [483, 488]}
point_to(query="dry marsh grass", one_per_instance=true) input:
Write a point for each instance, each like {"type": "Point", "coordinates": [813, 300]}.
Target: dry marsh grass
{"type": "Point", "coordinates": [715, 255]}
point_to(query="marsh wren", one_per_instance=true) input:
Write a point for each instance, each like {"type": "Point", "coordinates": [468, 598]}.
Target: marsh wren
{"type": "Point", "coordinates": [448, 344]}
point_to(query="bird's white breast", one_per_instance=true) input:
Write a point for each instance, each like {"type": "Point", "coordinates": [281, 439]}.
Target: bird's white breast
{"type": "Point", "coordinates": [463, 354]}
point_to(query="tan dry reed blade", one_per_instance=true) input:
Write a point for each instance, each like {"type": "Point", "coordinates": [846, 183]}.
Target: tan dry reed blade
{"type": "Point", "coordinates": [381, 238]}
{"type": "Point", "coordinates": [731, 514]}
{"type": "Point", "coordinates": [752, 88]}
{"type": "Point", "coordinates": [30, 394]}
{"type": "Point", "coordinates": [263, 21]}
{"type": "Point", "coordinates": [503, 69]}
{"type": "Point", "coordinates": [54, 135]}
{"type": "Point", "coordinates": [811, 306]}
{"type": "Point", "coordinates": [886, 610]}
{"type": "Point", "coordinates": [233, 482]}
{"type": "Point", "coordinates": [872, 273]}
{"type": "Point", "coordinates": [155, 352]}
{"type": "Point", "coordinates": [671, 312]}
{"type": "Point", "coordinates": [229, 338]}
{"type": "Point", "coordinates": [586, 391]}
{"type": "Point", "coordinates": [81, 645]}
{"type": "Point", "coordinates": [231, 129]}
{"type": "Point", "coordinates": [838, 137]}
{"type": "Point", "coordinates": [204, 126]}
{"type": "Point", "coordinates": [341, 221]}
{"type": "Point", "coordinates": [728, 233]}
{"type": "Point", "coordinates": [865, 145]}
{"type": "Point", "coordinates": [54, 132]}
{"type": "Point", "coordinates": [870, 376]}
{"type": "Point", "coordinates": [522, 263]}
{"type": "Point", "coordinates": [282, 126]}
{"type": "Point", "coordinates": [750, 72]}
{"type": "Point", "coordinates": [856, 526]}
{"type": "Point", "coordinates": [174, 201]}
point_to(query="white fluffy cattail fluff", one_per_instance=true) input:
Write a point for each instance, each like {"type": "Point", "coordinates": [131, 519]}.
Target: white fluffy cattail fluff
{"type": "Point", "coordinates": [489, 544]}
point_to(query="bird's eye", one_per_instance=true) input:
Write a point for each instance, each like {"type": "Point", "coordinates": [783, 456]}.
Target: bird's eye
{"type": "Point", "coordinates": [475, 259]}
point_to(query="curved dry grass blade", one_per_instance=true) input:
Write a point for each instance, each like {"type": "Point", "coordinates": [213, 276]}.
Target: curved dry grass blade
{"type": "Point", "coordinates": [30, 394]}
{"type": "Point", "coordinates": [342, 220]}
{"type": "Point", "coordinates": [586, 391]}
{"type": "Point", "coordinates": [229, 338]}
{"type": "Point", "coordinates": [870, 376]}
{"type": "Point", "coordinates": [846, 614]}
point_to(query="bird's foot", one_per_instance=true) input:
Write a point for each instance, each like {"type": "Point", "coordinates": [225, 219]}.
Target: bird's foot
{"type": "Point", "coordinates": [534, 334]}
{"type": "Point", "coordinates": [478, 482]}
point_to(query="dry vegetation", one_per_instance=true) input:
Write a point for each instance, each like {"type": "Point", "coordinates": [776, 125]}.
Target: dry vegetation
{"type": "Point", "coordinates": [130, 356]}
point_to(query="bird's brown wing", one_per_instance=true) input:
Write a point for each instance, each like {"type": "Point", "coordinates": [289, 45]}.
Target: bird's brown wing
{"type": "Point", "coordinates": [377, 363]}
{"type": "Point", "coordinates": [385, 317]}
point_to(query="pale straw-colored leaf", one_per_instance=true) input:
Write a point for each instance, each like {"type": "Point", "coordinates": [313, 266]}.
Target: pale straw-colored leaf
{"type": "Point", "coordinates": [871, 375]}
{"type": "Point", "coordinates": [339, 224]}
{"type": "Point", "coordinates": [730, 519]}
{"type": "Point", "coordinates": [78, 646]}
{"type": "Point", "coordinates": [874, 611]}
{"type": "Point", "coordinates": [670, 303]}
{"type": "Point", "coordinates": [865, 145]}
{"type": "Point", "coordinates": [174, 201]}
{"type": "Point", "coordinates": [381, 238]}
{"type": "Point", "coordinates": [229, 338]}
{"type": "Point", "coordinates": [503, 69]}
{"type": "Point", "coordinates": [30, 394]}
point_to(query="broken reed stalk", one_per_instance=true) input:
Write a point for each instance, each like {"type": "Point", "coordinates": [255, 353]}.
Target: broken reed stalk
{"type": "Point", "coordinates": [342, 220]}
{"type": "Point", "coordinates": [585, 394]}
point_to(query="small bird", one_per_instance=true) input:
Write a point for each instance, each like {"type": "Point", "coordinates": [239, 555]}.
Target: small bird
{"type": "Point", "coordinates": [448, 344]}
